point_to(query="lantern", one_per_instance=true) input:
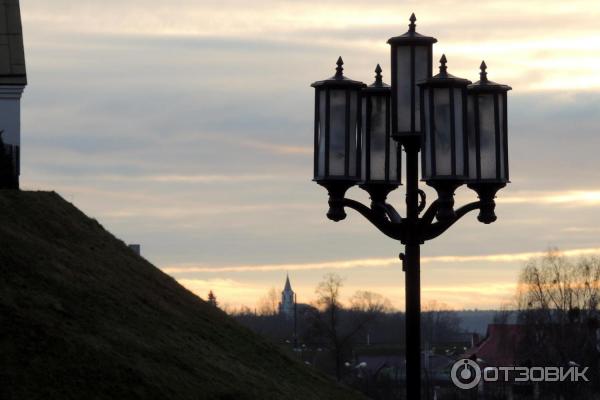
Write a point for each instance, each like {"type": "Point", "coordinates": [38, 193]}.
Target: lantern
{"type": "Point", "coordinates": [336, 141]}
{"type": "Point", "coordinates": [488, 140]}
{"type": "Point", "coordinates": [381, 158]}
{"type": "Point", "coordinates": [411, 56]}
{"type": "Point", "coordinates": [444, 154]}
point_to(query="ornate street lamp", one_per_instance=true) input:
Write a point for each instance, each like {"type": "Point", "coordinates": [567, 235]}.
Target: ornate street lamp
{"type": "Point", "coordinates": [381, 156]}
{"type": "Point", "coordinates": [488, 141]}
{"type": "Point", "coordinates": [462, 129]}
{"type": "Point", "coordinates": [444, 157]}
{"type": "Point", "coordinates": [337, 121]}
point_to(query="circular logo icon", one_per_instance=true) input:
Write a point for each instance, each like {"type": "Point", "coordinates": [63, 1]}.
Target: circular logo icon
{"type": "Point", "coordinates": [465, 374]}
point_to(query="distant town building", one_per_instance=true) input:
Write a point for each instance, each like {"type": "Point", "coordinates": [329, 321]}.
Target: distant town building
{"type": "Point", "coordinates": [499, 347]}
{"type": "Point", "coordinates": [136, 248]}
{"type": "Point", "coordinates": [13, 79]}
{"type": "Point", "coordinates": [286, 306]}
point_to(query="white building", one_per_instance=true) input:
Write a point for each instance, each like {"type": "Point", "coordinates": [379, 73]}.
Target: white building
{"type": "Point", "coordinates": [13, 79]}
{"type": "Point", "coordinates": [286, 306]}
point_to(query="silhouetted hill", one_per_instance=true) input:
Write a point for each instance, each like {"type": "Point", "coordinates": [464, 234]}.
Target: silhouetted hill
{"type": "Point", "coordinates": [83, 317]}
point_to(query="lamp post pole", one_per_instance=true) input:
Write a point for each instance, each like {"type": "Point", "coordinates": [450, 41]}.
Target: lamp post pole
{"type": "Point", "coordinates": [412, 270]}
{"type": "Point", "coordinates": [459, 128]}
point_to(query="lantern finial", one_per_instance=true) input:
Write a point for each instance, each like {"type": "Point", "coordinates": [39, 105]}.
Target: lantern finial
{"type": "Point", "coordinates": [378, 77]}
{"type": "Point", "coordinates": [412, 26]}
{"type": "Point", "coordinates": [483, 73]}
{"type": "Point", "coordinates": [443, 68]}
{"type": "Point", "coordinates": [339, 69]}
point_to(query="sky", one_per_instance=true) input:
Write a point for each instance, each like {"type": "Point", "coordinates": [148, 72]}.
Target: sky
{"type": "Point", "coordinates": [186, 126]}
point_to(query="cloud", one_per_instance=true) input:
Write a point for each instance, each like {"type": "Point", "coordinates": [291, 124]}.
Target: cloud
{"type": "Point", "coordinates": [572, 198]}
{"type": "Point", "coordinates": [489, 289]}
{"type": "Point", "coordinates": [195, 179]}
{"type": "Point", "coordinates": [225, 290]}
{"type": "Point", "coordinates": [542, 48]}
{"type": "Point", "coordinates": [175, 213]}
{"type": "Point", "coordinates": [363, 263]}
{"type": "Point", "coordinates": [187, 126]}
{"type": "Point", "coordinates": [369, 263]}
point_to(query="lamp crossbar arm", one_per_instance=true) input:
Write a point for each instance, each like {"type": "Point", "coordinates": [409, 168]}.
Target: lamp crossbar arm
{"type": "Point", "coordinates": [391, 229]}
{"type": "Point", "coordinates": [392, 214]}
{"type": "Point", "coordinates": [395, 228]}
{"type": "Point", "coordinates": [429, 216]}
{"type": "Point", "coordinates": [433, 230]}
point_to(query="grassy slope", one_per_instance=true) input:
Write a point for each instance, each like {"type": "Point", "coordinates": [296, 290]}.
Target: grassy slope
{"type": "Point", "coordinates": [82, 317]}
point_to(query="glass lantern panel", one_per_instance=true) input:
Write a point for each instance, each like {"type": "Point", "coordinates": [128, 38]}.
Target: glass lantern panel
{"type": "Point", "coordinates": [353, 134]}
{"type": "Point", "coordinates": [471, 139]}
{"type": "Point", "coordinates": [337, 132]}
{"type": "Point", "coordinates": [487, 129]}
{"type": "Point", "coordinates": [394, 161]}
{"type": "Point", "coordinates": [378, 137]}
{"type": "Point", "coordinates": [427, 166]}
{"type": "Point", "coordinates": [403, 88]}
{"type": "Point", "coordinates": [501, 113]}
{"type": "Point", "coordinates": [459, 132]}
{"type": "Point", "coordinates": [363, 143]}
{"type": "Point", "coordinates": [422, 68]}
{"type": "Point", "coordinates": [321, 138]}
{"type": "Point", "coordinates": [443, 133]}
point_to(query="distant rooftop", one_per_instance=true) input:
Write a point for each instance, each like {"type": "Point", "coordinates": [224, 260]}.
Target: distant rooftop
{"type": "Point", "coordinates": [500, 346]}
{"type": "Point", "coordinates": [12, 53]}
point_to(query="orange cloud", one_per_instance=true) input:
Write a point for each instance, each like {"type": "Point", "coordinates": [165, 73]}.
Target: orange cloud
{"type": "Point", "coordinates": [569, 197]}
{"type": "Point", "coordinates": [233, 294]}
{"type": "Point", "coordinates": [369, 262]}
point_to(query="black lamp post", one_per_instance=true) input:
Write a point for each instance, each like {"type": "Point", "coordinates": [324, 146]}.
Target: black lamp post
{"type": "Point", "coordinates": [462, 129]}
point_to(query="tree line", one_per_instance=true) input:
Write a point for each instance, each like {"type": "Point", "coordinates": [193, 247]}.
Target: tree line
{"type": "Point", "coordinates": [556, 308]}
{"type": "Point", "coordinates": [328, 332]}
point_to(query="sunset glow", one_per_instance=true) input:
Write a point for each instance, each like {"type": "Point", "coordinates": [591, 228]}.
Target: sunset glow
{"type": "Point", "coordinates": [187, 127]}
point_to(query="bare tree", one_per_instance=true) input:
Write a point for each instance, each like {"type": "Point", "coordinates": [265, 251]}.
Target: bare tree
{"type": "Point", "coordinates": [559, 288]}
{"type": "Point", "coordinates": [438, 322]}
{"type": "Point", "coordinates": [338, 326]}
{"type": "Point", "coordinates": [328, 291]}
{"type": "Point", "coordinates": [558, 306]}
{"type": "Point", "coordinates": [503, 315]}
{"type": "Point", "coordinates": [326, 317]}
{"type": "Point", "coordinates": [369, 302]}
{"type": "Point", "coordinates": [269, 303]}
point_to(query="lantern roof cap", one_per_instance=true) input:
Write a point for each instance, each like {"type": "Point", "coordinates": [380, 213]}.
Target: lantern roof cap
{"type": "Point", "coordinates": [444, 78]}
{"type": "Point", "coordinates": [379, 85]}
{"type": "Point", "coordinates": [412, 36]}
{"type": "Point", "coordinates": [339, 80]}
{"type": "Point", "coordinates": [485, 85]}
{"type": "Point", "coordinates": [12, 67]}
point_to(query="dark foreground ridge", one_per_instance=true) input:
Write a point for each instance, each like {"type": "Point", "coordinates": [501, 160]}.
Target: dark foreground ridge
{"type": "Point", "coordinates": [81, 316]}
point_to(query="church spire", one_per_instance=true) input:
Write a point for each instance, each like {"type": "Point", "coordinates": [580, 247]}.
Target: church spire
{"type": "Point", "coordinates": [286, 306]}
{"type": "Point", "coordinates": [288, 286]}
